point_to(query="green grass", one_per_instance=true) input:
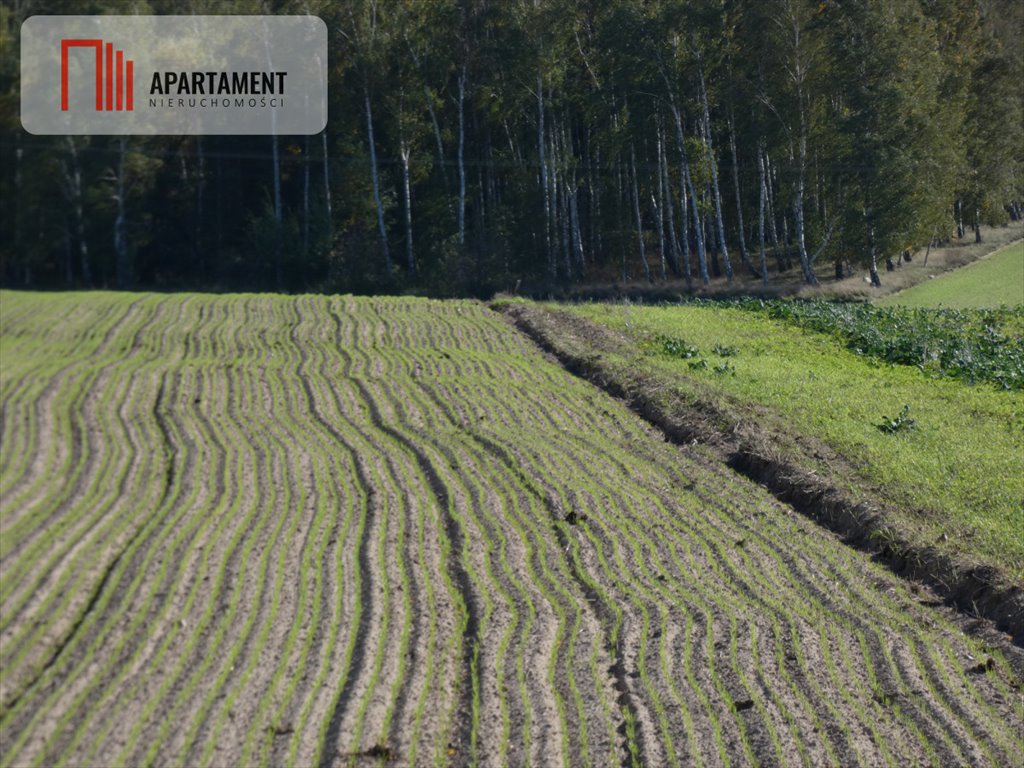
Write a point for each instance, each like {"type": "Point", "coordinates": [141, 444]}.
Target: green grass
{"type": "Point", "coordinates": [993, 281]}
{"type": "Point", "coordinates": [956, 474]}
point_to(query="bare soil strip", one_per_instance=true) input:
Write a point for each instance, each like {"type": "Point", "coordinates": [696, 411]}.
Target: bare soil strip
{"type": "Point", "coordinates": [392, 532]}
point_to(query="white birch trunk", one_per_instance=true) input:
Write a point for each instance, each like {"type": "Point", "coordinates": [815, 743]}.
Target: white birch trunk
{"type": "Point", "coordinates": [461, 156]}
{"type": "Point", "coordinates": [120, 242]}
{"type": "Point", "coordinates": [762, 199]}
{"type": "Point", "coordinates": [744, 255]}
{"type": "Point", "coordinates": [702, 262]}
{"type": "Point", "coordinates": [407, 196]}
{"type": "Point", "coordinates": [773, 232]}
{"type": "Point", "coordinates": [327, 181]}
{"type": "Point", "coordinates": [659, 206]}
{"type": "Point", "coordinates": [200, 203]}
{"type": "Point", "coordinates": [73, 185]}
{"type": "Point", "coordinates": [276, 160]}
{"type": "Point", "coordinates": [376, 187]}
{"type": "Point", "coordinates": [639, 220]}
{"type": "Point", "coordinates": [667, 205]}
{"type": "Point", "coordinates": [544, 177]}
{"type": "Point", "coordinates": [714, 177]}
{"type": "Point", "coordinates": [305, 201]}
{"type": "Point", "coordinates": [278, 209]}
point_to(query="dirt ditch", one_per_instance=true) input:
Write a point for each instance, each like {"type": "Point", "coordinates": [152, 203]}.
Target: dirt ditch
{"type": "Point", "coordinates": [748, 448]}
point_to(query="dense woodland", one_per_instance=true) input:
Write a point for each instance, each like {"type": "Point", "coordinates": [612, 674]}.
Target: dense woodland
{"type": "Point", "coordinates": [482, 145]}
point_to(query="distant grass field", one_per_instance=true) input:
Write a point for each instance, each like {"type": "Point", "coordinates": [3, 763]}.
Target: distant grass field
{"type": "Point", "coordinates": [956, 475]}
{"type": "Point", "coordinates": [992, 281]}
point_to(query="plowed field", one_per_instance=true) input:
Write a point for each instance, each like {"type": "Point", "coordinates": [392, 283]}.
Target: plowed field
{"type": "Point", "coordinates": [256, 530]}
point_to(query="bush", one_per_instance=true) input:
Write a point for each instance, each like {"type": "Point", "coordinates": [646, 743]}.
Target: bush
{"type": "Point", "coordinates": [967, 344]}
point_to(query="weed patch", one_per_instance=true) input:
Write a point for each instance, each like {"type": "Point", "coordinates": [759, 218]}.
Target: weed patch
{"type": "Point", "coordinates": [973, 345]}
{"type": "Point", "coordinates": [902, 423]}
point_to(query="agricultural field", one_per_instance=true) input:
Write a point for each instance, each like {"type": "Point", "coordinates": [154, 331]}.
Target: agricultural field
{"type": "Point", "coordinates": [993, 281]}
{"type": "Point", "coordinates": [925, 407]}
{"type": "Point", "coordinates": [330, 531]}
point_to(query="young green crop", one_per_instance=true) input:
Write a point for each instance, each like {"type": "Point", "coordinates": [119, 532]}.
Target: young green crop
{"type": "Point", "coordinates": [966, 500]}
{"type": "Point", "coordinates": [390, 530]}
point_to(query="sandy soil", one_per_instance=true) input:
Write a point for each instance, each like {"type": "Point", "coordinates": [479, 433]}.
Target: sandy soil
{"type": "Point", "coordinates": [394, 532]}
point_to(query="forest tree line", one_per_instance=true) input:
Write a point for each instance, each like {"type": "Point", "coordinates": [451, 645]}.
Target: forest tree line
{"type": "Point", "coordinates": [479, 145]}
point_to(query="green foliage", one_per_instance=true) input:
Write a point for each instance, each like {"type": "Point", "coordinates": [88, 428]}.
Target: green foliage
{"type": "Point", "coordinates": [725, 369]}
{"type": "Point", "coordinates": [902, 423]}
{"type": "Point", "coordinates": [966, 344]}
{"type": "Point", "coordinates": [960, 474]}
{"type": "Point", "coordinates": [873, 119]}
{"type": "Point", "coordinates": [673, 346]}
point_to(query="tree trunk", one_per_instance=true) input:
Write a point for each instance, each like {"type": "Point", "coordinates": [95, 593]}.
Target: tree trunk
{"type": "Point", "coordinates": [576, 236]}
{"type": "Point", "coordinates": [620, 222]}
{"type": "Point", "coordinates": [977, 225]}
{"type": "Point", "coordinates": [714, 177]}
{"type": "Point", "coordinates": [278, 212]}
{"type": "Point", "coordinates": [305, 202]}
{"type": "Point", "coordinates": [73, 184]}
{"type": "Point", "coordinates": [711, 240]}
{"type": "Point", "coordinates": [481, 225]}
{"type": "Point", "coordinates": [200, 193]}
{"type": "Point", "coordinates": [376, 187]}
{"type": "Point", "coordinates": [773, 232]}
{"type": "Point", "coordinates": [697, 232]}
{"type": "Point", "coordinates": [544, 179]}
{"type": "Point", "coordinates": [667, 205]}
{"type": "Point", "coordinates": [561, 196]}
{"type": "Point", "coordinates": [798, 215]}
{"type": "Point", "coordinates": [797, 72]}
{"type": "Point", "coordinates": [437, 133]}
{"type": "Point", "coordinates": [744, 255]}
{"type": "Point", "coordinates": [327, 188]}
{"type": "Point", "coordinates": [407, 200]}
{"type": "Point", "coordinates": [876, 281]}
{"type": "Point", "coordinates": [574, 222]}
{"type": "Point", "coordinates": [429, 99]}
{"type": "Point", "coordinates": [636, 211]}
{"type": "Point", "coordinates": [594, 231]}
{"type": "Point", "coordinates": [762, 197]}
{"type": "Point", "coordinates": [18, 210]}
{"type": "Point", "coordinates": [931, 242]}
{"type": "Point", "coordinates": [685, 224]}
{"type": "Point", "coordinates": [659, 204]}
{"type": "Point", "coordinates": [69, 259]}
{"type": "Point", "coordinates": [122, 274]}
{"type": "Point", "coordinates": [959, 219]}
{"type": "Point", "coordinates": [220, 176]}
{"type": "Point", "coordinates": [461, 156]}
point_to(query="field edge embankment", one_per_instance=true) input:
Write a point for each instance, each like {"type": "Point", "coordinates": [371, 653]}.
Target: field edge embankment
{"type": "Point", "coordinates": [786, 464]}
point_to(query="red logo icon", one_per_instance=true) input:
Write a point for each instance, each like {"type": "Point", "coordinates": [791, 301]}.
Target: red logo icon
{"type": "Point", "coordinates": [114, 80]}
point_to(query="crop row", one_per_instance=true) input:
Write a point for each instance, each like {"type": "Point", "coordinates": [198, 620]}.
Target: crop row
{"type": "Point", "coordinates": [255, 530]}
